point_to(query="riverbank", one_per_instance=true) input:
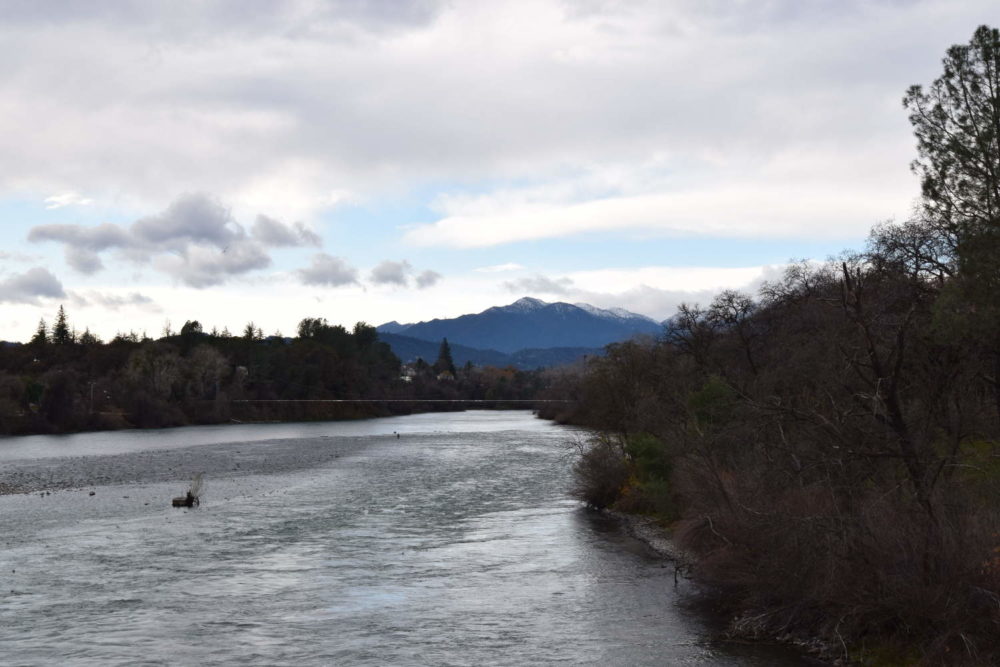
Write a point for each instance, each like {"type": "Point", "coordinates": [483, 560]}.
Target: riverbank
{"type": "Point", "coordinates": [746, 626]}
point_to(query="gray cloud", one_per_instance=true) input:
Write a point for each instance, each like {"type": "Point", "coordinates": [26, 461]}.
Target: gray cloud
{"type": "Point", "coordinates": [427, 278]}
{"type": "Point", "coordinates": [328, 271]}
{"type": "Point", "coordinates": [29, 286]}
{"type": "Point", "coordinates": [115, 301]}
{"type": "Point", "coordinates": [191, 218]}
{"type": "Point", "coordinates": [201, 266]}
{"type": "Point", "coordinates": [325, 88]}
{"type": "Point", "coordinates": [273, 233]}
{"type": "Point", "coordinates": [539, 284]}
{"type": "Point", "coordinates": [17, 257]}
{"type": "Point", "coordinates": [194, 240]}
{"type": "Point", "coordinates": [83, 260]}
{"type": "Point", "coordinates": [243, 18]}
{"type": "Point", "coordinates": [391, 273]}
{"type": "Point", "coordinates": [94, 239]}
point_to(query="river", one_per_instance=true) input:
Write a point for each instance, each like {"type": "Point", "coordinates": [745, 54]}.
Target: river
{"type": "Point", "coordinates": [442, 539]}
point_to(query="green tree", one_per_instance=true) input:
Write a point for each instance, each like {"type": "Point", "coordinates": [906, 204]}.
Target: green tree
{"type": "Point", "coordinates": [191, 328]}
{"type": "Point", "coordinates": [89, 338]}
{"type": "Point", "coordinates": [365, 335]}
{"type": "Point", "coordinates": [252, 332]}
{"type": "Point", "coordinates": [444, 361]}
{"type": "Point", "coordinates": [956, 121]}
{"type": "Point", "coordinates": [957, 125]}
{"type": "Point", "coordinates": [61, 334]}
{"type": "Point", "coordinates": [41, 336]}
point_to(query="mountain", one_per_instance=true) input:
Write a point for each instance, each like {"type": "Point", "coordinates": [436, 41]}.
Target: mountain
{"type": "Point", "coordinates": [409, 349]}
{"type": "Point", "coordinates": [531, 324]}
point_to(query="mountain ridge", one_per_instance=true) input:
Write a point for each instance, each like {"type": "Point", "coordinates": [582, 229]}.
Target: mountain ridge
{"type": "Point", "coordinates": [531, 324]}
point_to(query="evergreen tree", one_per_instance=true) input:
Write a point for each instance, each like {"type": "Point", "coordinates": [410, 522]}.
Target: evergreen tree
{"type": "Point", "coordinates": [88, 338]}
{"type": "Point", "coordinates": [444, 361]}
{"type": "Point", "coordinates": [60, 330]}
{"type": "Point", "coordinates": [956, 121]}
{"type": "Point", "coordinates": [957, 125]}
{"type": "Point", "coordinates": [41, 336]}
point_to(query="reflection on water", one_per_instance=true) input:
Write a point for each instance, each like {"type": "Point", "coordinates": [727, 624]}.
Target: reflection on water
{"type": "Point", "coordinates": [454, 544]}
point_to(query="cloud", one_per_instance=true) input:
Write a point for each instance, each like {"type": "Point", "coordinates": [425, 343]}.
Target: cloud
{"type": "Point", "coordinates": [66, 199]}
{"type": "Point", "coordinates": [95, 239]}
{"type": "Point", "coordinates": [388, 272]}
{"type": "Point", "coordinates": [539, 284]}
{"type": "Point", "coordinates": [654, 291]}
{"type": "Point", "coordinates": [273, 233]}
{"type": "Point", "coordinates": [321, 95]}
{"type": "Point", "coordinates": [194, 240]}
{"type": "Point", "coordinates": [83, 260]}
{"type": "Point", "coordinates": [328, 271]}
{"type": "Point", "coordinates": [201, 266]}
{"type": "Point", "coordinates": [29, 286]}
{"type": "Point", "coordinates": [190, 219]}
{"type": "Point", "coordinates": [768, 210]}
{"type": "Point", "coordinates": [6, 256]}
{"type": "Point", "coordinates": [427, 279]}
{"type": "Point", "coordinates": [115, 301]}
{"type": "Point", "coordinates": [500, 268]}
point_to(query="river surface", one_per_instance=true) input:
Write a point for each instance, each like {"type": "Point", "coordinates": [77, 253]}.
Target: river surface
{"type": "Point", "coordinates": [443, 539]}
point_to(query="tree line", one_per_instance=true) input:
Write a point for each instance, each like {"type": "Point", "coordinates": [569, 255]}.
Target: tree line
{"type": "Point", "coordinates": [828, 448]}
{"type": "Point", "coordinates": [63, 381]}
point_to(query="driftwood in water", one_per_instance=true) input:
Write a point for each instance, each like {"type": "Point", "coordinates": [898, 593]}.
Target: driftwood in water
{"type": "Point", "coordinates": [186, 500]}
{"type": "Point", "coordinates": [193, 496]}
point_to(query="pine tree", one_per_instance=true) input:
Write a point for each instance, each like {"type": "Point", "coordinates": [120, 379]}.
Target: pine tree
{"type": "Point", "coordinates": [41, 336]}
{"type": "Point", "coordinates": [444, 361]}
{"type": "Point", "coordinates": [88, 338]}
{"type": "Point", "coordinates": [60, 330]}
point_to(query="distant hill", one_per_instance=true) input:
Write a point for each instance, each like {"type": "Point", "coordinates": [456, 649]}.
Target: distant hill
{"type": "Point", "coordinates": [530, 324]}
{"type": "Point", "coordinates": [410, 349]}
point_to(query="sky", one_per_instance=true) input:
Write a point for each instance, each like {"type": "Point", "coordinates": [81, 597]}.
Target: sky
{"type": "Point", "coordinates": [247, 160]}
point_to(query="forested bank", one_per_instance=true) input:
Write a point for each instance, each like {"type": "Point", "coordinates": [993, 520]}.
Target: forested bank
{"type": "Point", "coordinates": [62, 381]}
{"type": "Point", "coordinates": [828, 449]}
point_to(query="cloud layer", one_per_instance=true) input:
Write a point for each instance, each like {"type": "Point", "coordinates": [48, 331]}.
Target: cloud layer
{"type": "Point", "coordinates": [295, 103]}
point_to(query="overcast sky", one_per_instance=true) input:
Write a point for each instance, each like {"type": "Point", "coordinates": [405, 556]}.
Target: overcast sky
{"type": "Point", "coordinates": [392, 159]}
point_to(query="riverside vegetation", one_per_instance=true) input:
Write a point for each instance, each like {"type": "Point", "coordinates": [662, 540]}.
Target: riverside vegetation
{"type": "Point", "coordinates": [61, 381]}
{"type": "Point", "coordinates": [828, 451]}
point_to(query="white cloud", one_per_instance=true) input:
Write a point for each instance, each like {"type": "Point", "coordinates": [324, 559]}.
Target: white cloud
{"type": "Point", "coordinates": [500, 268]}
{"type": "Point", "coordinates": [763, 210]}
{"type": "Point", "coordinates": [654, 291]}
{"type": "Point", "coordinates": [67, 199]}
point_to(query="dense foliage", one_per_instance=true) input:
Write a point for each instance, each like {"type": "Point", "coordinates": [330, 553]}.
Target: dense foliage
{"type": "Point", "coordinates": [62, 381]}
{"type": "Point", "coordinates": [830, 449]}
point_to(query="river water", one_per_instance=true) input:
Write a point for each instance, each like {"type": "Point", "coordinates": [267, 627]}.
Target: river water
{"type": "Point", "coordinates": [444, 539]}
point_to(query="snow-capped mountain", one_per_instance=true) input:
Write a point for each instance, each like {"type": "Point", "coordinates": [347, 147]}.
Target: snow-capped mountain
{"type": "Point", "coordinates": [532, 323]}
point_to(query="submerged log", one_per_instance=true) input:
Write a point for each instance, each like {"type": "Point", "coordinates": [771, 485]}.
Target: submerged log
{"type": "Point", "coordinates": [188, 500]}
